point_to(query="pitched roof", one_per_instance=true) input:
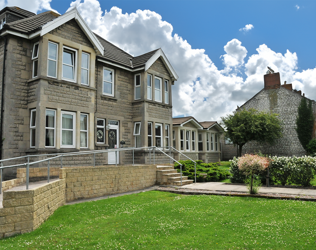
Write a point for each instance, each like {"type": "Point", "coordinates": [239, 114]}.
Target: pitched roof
{"type": "Point", "coordinates": [19, 11]}
{"type": "Point", "coordinates": [31, 24]}
{"type": "Point", "coordinates": [180, 120]}
{"type": "Point", "coordinates": [207, 124]}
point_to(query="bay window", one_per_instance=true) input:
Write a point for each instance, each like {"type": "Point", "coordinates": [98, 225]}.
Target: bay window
{"type": "Point", "coordinates": [187, 140]}
{"type": "Point", "coordinates": [150, 134]}
{"type": "Point", "coordinates": [200, 142]}
{"type": "Point", "coordinates": [181, 139]}
{"type": "Point", "coordinates": [108, 82]}
{"type": "Point", "coordinates": [212, 142]}
{"type": "Point", "coordinates": [137, 87]}
{"type": "Point", "coordinates": [193, 140]}
{"type": "Point", "coordinates": [52, 59]}
{"type": "Point", "coordinates": [166, 135]}
{"type": "Point", "coordinates": [166, 91]}
{"type": "Point", "coordinates": [50, 124]}
{"type": "Point", "coordinates": [35, 60]}
{"type": "Point", "coordinates": [100, 130]}
{"type": "Point", "coordinates": [149, 87]}
{"type": "Point", "coordinates": [174, 138]}
{"type": "Point", "coordinates": [32, 128]}
{"type": "Point", "coordinates": [216, 143]}
{"type": "Point", "coordinates": [68, 129]}
{"type": "Point", "coordinates": [83, 130]}
{"type": "Point", "coordinates": [85, 62]}
{"type": "Point", "coordinates": [208, 141]}
{"type": "Point", "coordinates": [158, 92]}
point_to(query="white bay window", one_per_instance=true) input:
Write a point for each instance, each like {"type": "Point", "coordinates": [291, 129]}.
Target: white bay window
{"type": "Point", "coordinates": [83, 130]}
{"type": "Point", "coordinates": [32, 128]}
{"type": "Point", "coordinates": [52, 59]}
{"type": "Point", "coordinates": [136, 133]}
{"type": "Point", "coordinates": [68, 129]}
{"type": "Point", "coordinates": [50, 128]}
{"type": "Point", "coordinates": [158, 91]}
{"type": "Point", "coordinates": [69, 64]}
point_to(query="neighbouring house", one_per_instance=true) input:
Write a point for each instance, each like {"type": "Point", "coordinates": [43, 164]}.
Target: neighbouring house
{"type": "Point", "coordinates": [283, 100]}
{"type": "Point", "coordinates": [64, 88]}
{"type": "Point", "coordinates": [198, 140]}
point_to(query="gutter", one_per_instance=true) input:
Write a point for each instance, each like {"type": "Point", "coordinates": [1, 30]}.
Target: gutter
{"type": "Point", "coordinates": [2, 95]}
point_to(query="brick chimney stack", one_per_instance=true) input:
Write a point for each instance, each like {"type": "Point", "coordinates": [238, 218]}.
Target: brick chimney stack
{"type": "Point", "coordinates": [272, 81]}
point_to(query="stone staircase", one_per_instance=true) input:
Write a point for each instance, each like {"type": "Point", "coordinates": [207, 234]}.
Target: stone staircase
{"type": "Point", "coordinates": [167, 175]}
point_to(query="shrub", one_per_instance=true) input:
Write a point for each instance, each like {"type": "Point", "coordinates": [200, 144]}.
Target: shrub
{"type": "Point", "coordinates": [311, 147]}
{"type": "Point", "coordinates": [236, 175]}
{"type": "Point", "coordinates": [281, 169]}
{"type": "Point", "coordinates": [214, 173]}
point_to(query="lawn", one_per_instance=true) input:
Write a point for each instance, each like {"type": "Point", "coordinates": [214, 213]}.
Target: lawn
{"type": "Point", "coordinates": [226, 166]}
{"type": "Point", "coordinates": [158, 220]}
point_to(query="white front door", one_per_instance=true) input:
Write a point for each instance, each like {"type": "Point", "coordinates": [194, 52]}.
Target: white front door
{"type": "Point", "coordinates": [114, 141]}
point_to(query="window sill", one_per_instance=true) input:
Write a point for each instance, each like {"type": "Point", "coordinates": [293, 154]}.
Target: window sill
{"type": "Point", "coordinates": [153, 102]}
{"type": "Point", "coordinates": [108, 98]}
{"type": "Point", "coordinates": [51, 150]}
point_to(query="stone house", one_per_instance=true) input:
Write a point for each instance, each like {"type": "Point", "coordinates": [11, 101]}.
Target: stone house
{"type": "Point", "coordinates": [197, 140]}
{"type": "Point", "coordinates": [283, 100]}
{"type": "Point", "coordinates": [64, 88]}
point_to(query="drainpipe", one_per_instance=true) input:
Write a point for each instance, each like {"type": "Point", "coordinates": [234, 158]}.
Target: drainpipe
{"type": "Point", "coordinates": [2, 95]}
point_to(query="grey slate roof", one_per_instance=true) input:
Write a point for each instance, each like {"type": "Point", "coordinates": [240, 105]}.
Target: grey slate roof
{"type": "Point", "coordinates": [19, 11]}
{"type": "Point", "coordinates": [111, 52]}
{"type": "Point", "coordinates": [117, 55]}
{"type": "Point", "coordinates": [31, 24]}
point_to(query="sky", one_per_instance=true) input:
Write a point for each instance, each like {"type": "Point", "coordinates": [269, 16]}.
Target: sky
{"type": "Point", "coordinates": [219, 48]}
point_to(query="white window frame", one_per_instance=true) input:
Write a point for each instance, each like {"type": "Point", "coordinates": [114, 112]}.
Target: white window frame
{"type": "Point", "coordinates": [51, 128]}
{"type": "Point", "coordinates": [182, 139]}
{"type": "Point", "coordinates": [167, 135]}
{"type": "Point", "coordinates": [87, 69]}
{"type": "Point", "coordinates": [200, 141]}
{"type": "Point", "coordinates": [103, 127]}
{"type": "Point", "coordinates": [166, 92]}
{"type": "Point", "coordinates": [187, 140]}
{"type": "Point", "coordinates": [174, 138]}
{"type": "Point", "coordinates": [215, 142]}
{"type": "Point", "coordinates": [150, 88]}
{"type": "Point", "coordinates": [48, 59]}
{"type": "Point", "coordinates": [212, 142]}
{"type": "Point", "coordinates": [208, 142]}
{"type": "Point", "coordinates": [74, 66]}
{"type": "Point", "coordinates": [151, 134]}
{"type": "Point", "coordinates": [136, 133]}
{"type": "Point", "coordinates": [160, 91]}
{"type": "Point", "coordinates": [73, 130]}
{"type": "Point", "coordinates": [193, 140]}
{"type": "Point", "coordinates": [107, 94]}
{"type": "Point", "coordinates": [139, 86]}
{"type": "Point", "coordinates": [35, 59]}
{"type": "Point", "coordinates": [161, 132]}
{"type": "Point", "coordinates": [85, 131]}
{"type": "Point", "coordinates": [32, 128]}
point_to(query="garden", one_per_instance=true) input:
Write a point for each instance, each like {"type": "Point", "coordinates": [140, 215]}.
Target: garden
{"type": "Point", "coordinates": [161, 220]}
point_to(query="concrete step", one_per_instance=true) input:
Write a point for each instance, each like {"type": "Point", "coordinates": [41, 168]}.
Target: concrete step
{"type": "Point", "coordinates": [184, 182]}
{"type": "Point", "coordinates": [167, 171]}
{"type": "Point", "coordinates": [161, 167]}
{"type": "Point", "coordinates": [177, 178]}
{"type": "Point", "coordinates": [175, 174]}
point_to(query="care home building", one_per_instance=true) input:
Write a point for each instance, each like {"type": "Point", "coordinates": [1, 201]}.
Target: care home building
{"type": "Point", "coordinates": [64, 88]}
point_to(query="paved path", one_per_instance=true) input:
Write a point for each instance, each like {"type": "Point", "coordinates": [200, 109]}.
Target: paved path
{"type": "Point", "coordinates": [227, 187]}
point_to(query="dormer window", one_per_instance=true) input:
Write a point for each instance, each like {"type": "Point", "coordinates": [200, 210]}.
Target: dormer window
{"type": "Point", "coordinates": [35, 60]}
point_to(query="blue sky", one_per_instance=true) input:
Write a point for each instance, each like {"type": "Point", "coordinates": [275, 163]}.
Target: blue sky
{"type": "Point", "coordinates": [220, 63]}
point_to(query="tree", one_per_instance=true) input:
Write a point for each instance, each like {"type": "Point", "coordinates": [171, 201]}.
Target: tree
{"type": "Point", "coordinates": [250, 125]}
{"type": "Point", "coordinates": [305, 122]}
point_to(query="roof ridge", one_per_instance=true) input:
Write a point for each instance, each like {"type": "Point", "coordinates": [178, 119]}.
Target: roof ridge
{"type": "Point", "coordinates": [147, 53]}
{"type": "Point", "coordinates": [28, 18]}
{"type": "Point", "coordinates": [18, 10]}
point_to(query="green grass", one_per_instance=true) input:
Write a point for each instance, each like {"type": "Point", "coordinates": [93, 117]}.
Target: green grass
{"type": "Point", "coordinates": [158, 220]}
{"type": "Point", "coordinates": [226, 166]}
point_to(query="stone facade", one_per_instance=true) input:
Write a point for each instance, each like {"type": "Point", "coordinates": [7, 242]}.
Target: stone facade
{"type": "Point", "coordinates": [280, 99]}
{"type": "Point", "coordinates": [25, 94]}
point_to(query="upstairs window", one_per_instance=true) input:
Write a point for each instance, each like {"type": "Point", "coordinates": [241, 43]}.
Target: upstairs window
{"type": "Point", "coordinates": [149, 87]}
{"type": "Point", "coordinates": [35, 60]}
{"type": "Point", "coordinates": [100, 130]}
{"type": "Point", "coordinates": [52, 59]}
{"type": "Point", "coordinates": [50, 128]}
{"type": "Point", "coordinates": [2, 22]}
{"type": "Point", "coordinates": [85, 62]}
{"type": "Point", "coordinates": [108, 82]}
{"type": "Point", "coordinates": [158, 94]}
{"type": "Point", "coordinates": [137, 87]}
{"type": "Point", "coordinates": [136, 133]}
{"type": "Point", "coordinates": [69, 64]}
{"type": "Point", "coordinates": [166, 92]}
{"type": "Point", "coordinates": [32, 128]}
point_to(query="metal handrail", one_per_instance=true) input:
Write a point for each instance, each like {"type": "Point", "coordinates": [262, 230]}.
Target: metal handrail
{"type": "Point", "coordinates": [61, 155]}
{"type": "Point", "coordinates": [187, 158]}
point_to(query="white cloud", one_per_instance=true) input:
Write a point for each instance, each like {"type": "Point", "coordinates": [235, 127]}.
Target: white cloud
{"type": "Point", "coordinates": [30, 5]}
{"type": "Point", "coordinates": [297, 7]}
{"type": "Point", "coordinates": [247, 28]}
{"type": "Point", "coordinates": [202, 90]}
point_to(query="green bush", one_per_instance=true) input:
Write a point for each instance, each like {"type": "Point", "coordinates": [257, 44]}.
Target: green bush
{"type": "Point", "coordinates": [214, 173]}
{"type": "Point", "coordinates": [236, 175]}
{"type": "Point", "coordinates": [311, 147]}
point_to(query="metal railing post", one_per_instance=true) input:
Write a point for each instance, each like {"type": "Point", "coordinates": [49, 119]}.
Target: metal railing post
{"type": "Point", "coordinates": [116, 158]}
{"type": "Point", "coordinates": [1, 178]}
{"type": "Point", "coordinates": [154, 155]}
{"type": "Point", "coordinates": [27, 172]}
{"type": "Point", "coordinates": [133, 157]}
{"type": "Point", "coordinates": [194, 172]}
{"type": "Point", "coordinates": [61, 161]}
{"type": "Point", "coordinates": [48, 171]}
{"type": "Point", "coordinates": [93, 159]}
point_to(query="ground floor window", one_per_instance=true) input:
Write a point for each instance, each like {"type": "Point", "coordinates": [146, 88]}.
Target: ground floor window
{"type": "Point", "coordinates": [216, 143]}
{"type": "Point", "coordinates": [68, 129]}
{"type": "Point", "coordinates": [50, 127]}
{"type": "Point", "coordinates": [174, 138]}
{"type": "Point", "coordinates": [158, 135]}
{"type": "Point", "coordinates": [83, 130]}
{"type": "Point", "coordinates": [212, 142]}
{"type": "Point", "coordinates": [193, 140]}
{"type": "Point", "coordinates": [100, 130]}
{"type": "Point", "coordinates": [166, 135]}
{"type": "Point", "coordinates": [181, 139]}
{"type": "Point", "coordinates": [150, 134]}
{"type": "Point", "coordinates": [136, 133]}
{"type": "Point", "coordinates": [187, 140]}
{"type": "Point", "coordinates": [208, 142]}
{"type": "Point", "coordinates": [200, 142]}
{"type": "Point", "coordinates": [32, 128]}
